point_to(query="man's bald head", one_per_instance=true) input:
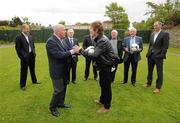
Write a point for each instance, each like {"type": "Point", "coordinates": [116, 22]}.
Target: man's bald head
{"type": "Point", "coordinates": [25, 29]}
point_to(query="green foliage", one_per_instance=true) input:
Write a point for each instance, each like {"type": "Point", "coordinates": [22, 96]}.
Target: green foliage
{"type": "Point", "coordinates": [117, 15]}
{"type": "Point", "coordinates": [62, 22]}
{"type": "Point", "coordinates": [168, 13]}
{"type": "Point", "coordinates": [16, 21]}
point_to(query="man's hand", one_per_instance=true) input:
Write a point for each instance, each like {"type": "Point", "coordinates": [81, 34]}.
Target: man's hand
{"type": "Point", "coordinates": [126, 49]}
{"type": "Point", "coordinates": [76, 49]}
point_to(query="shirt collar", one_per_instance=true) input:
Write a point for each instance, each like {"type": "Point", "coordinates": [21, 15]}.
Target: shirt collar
{"type": "Point", "coordinates": [24, 34]}
{"type": "Point", "coordinates": [57, 37]}
{"type": "Point", "coordinates": [157, 32]}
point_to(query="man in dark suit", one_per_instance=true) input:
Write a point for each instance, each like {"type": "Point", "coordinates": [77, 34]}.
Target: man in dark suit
{"type": "Point", "coordinates": [132, 46]}
{"type": "Point", "coordinates": [70, 42]}
{"type": "Point", "coordinates": [158, 45]}
{"type": "Point", "coordinates": [88, 41]}
{"type": "Point", "coordinates": [57, 57]}
{"type": "Point", "coordinates": [25, 49]}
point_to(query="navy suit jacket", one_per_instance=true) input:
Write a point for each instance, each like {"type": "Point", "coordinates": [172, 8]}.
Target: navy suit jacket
{"type": "Point", "coordinates": [126, 43]}
{"type": "Point", "coordinates": [57, 57]}
{"type": "Point", "coordinates": [68, 46]}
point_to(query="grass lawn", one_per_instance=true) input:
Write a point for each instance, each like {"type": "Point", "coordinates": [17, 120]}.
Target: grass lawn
{"type": "Point", "coordinates": [129, 104]}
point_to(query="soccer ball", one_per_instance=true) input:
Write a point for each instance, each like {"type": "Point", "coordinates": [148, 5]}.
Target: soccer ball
{"type": "Point", "coordinates": [134, 47]}
{"type": "Point", "coordinates": [90, 49]}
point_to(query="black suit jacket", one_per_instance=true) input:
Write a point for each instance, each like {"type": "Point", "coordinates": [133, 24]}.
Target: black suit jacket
{"type": "Point", "coordinates": [67, 44]}
{"type": "Point", "coordinates": [22, 46]}
{"type": "Point", "coordinates": [57, 57]}
{"type": "Point", "coordinates": [87, 42]}
{"type": "Point", "coordinates": [159, 48]}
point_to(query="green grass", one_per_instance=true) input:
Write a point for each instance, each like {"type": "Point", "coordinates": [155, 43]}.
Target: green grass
{"type": "Point", "coordinates": [129, 104]}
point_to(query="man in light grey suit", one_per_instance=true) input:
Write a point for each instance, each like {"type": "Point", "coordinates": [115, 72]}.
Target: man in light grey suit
{"type": "Point", "coordinates": [57, 57]}
{"type": "Point", "coordinates": [132, 46]}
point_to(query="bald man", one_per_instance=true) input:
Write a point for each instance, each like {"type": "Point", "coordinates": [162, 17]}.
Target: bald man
{"type": "Point", "coordinates": [131, 56]}
{"type": "Point", "coordinates": [25, 49]}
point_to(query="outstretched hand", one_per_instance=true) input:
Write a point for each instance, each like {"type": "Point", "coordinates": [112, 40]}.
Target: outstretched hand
{"type": "Point", "coordinates": [76, 49]}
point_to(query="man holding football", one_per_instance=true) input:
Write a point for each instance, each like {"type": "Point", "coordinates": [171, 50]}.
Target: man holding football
{"type": "Point", "coordinates": [132, 46]}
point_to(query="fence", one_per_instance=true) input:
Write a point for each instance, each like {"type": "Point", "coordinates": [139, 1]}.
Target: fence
{"type": "Point", "coordinates": [44, 34]}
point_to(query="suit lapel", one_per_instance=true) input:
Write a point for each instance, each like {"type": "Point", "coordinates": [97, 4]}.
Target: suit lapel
{"type": "Point", "coordinates": [59, 43]}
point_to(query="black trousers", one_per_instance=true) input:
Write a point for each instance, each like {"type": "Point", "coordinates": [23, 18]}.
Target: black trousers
{"type": "Point", "coordinates": [72, 67]}
{"type": "Point", "coordinates": [159, 67]}
{"type": "Point", "coordinates": [114, 73]}
{"type": "Point", "coordinates": [29, 62]}
{"type": "Point", "coordinates": [105, 77]}
{"type": "Point", "coordinates": [88, 63]}
{"type": "Point", "coordinates": [134, 65]}
{"type": "Point", "coordinates": [59, 93]}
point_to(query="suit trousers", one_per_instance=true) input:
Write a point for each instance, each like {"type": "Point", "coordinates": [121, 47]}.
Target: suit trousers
{"type": "Point", "coordinates": [159, 67]}
{"type": "Point", "coordinates": [88, 63]}
{"type": "Point", "coordinates": [29, 62]}
{"type": "Point", "coordinates": [59, 93]}
{"type": "Point", "coordinates": [134, 65]}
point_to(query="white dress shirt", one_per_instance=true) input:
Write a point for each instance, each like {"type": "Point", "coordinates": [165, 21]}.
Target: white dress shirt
{"type": "Point", "coordinates": [27, 39]}
{"type": "Point", "coordinates": [156, 35]}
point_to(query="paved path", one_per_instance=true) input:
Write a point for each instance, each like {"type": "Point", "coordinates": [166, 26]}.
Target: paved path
{"type": "Point", "coordinates": [6, 46]}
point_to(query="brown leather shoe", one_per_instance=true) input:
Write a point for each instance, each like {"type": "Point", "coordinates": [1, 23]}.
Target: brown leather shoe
{"type": "Point", "coordinates": [156, 91]}
{"type": "Point", "coordinates": [103, 110]}
{"type": "Point", "coordinates": [147, 85]}
{"type": "Point", "coordinates": [98, 102]}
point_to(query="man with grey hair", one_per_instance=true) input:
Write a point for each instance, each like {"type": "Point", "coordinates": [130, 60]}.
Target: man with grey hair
{"type": "Point", "coordinates": [158, 45]}
{"type": "Point", "coordinates": [132, 46]}
{"type": "Point", "coordinates": [118, 50]}
{"type": "Point", "coordinates": [70, 42]}
{"type": "Point", "coordinates": [57, 57]}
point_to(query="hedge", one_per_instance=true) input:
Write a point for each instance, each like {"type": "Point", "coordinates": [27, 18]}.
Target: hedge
{"type": "Point", "coordinates": [44, 34]}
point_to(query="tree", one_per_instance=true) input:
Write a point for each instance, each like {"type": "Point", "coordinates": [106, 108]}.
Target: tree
{"type": "Point", "coordinates": [16, 21]}
{"type": "Point", "coordinates": [26, 20]}
{"type": "Point", "coordinates": [62, 22]}
{"type": "Point", "coordinates": [117, 15]}
{"type": "Point", "coordinates": [168, 13]}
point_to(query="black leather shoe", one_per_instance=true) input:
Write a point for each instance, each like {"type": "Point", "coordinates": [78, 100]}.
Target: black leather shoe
{"type": "Point", "coordinates": [74, 82]}
{"type": "Point", "coordinates": [133, 84]}
{"type": "Point", "coordinates": [64, 106]}
{"type": "Point", "coordinates": [54, 112]}
{"type": "Point", "coordinates": [36, 82]}
{"type": "Point", "coordinates": [124, 82]}
{"type": "Point", "coordinates": [23, 88]}
{"type": "Point", "coordinates": [85, 79]}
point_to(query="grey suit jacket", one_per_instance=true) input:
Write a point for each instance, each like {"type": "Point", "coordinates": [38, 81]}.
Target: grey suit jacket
{"type": "Point", "coordinates": [57, 57]}
{"type": "Point", "coordinates": [126, 43]}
